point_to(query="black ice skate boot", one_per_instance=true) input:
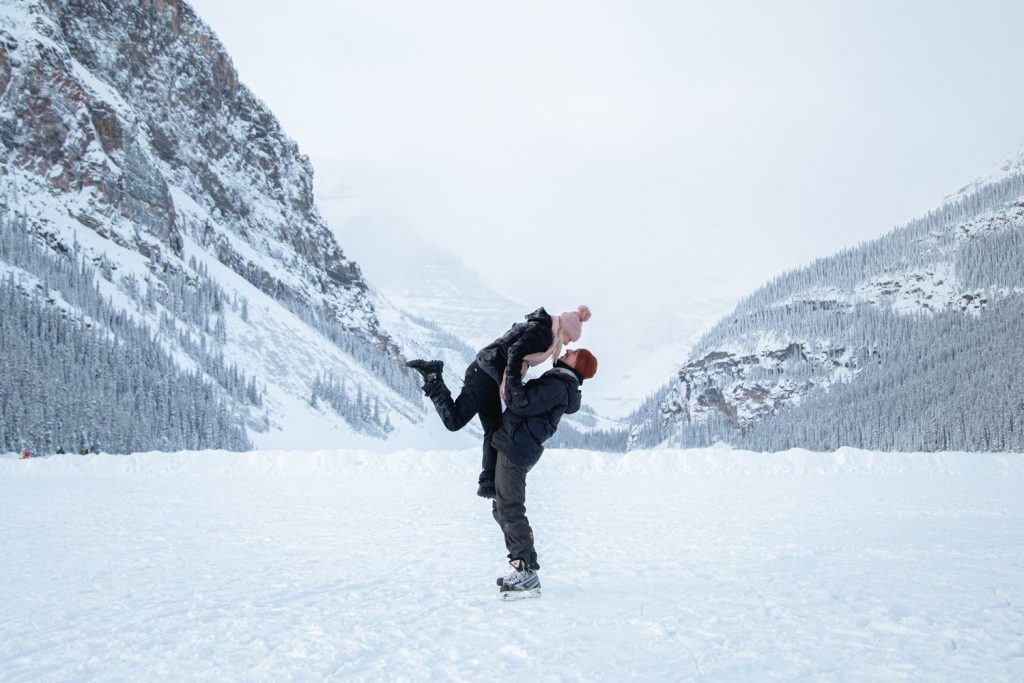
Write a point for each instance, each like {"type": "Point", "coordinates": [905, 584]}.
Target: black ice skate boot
{"type": "Point", "coordinates": [430, 370]}
{"type": "Point", "coordinates": [522, 582]}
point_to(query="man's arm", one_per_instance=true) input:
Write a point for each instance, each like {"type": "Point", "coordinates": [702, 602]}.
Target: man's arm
{"type": "Point", "coordinates": [541, 397]}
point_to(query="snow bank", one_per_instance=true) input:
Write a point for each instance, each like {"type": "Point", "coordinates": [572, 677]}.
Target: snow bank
{"type": "Point", "coordinates": [712, 461]}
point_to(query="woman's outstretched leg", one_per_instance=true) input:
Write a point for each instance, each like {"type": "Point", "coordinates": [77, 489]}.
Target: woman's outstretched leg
{"type": "Point", "coordinates": [455, 413]}
{"type": "Point", "coordinates": [479, 396]}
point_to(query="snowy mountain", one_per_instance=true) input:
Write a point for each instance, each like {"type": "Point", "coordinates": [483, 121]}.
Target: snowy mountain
{"type": "Point", "coordinates": [425, 280]}
{"type": "Point", "coordinates": [639, 355]}
{"type": "Point", "coordinates": [434, 305]}
{"type": "Point", "coordinates": [131, 149]}
{"type": "Point", "coordinates": [908, 342]}
{"type": "Point", "coordinates": [438, 307]}
{"type": "Point", "coordinates": [1011, 166]}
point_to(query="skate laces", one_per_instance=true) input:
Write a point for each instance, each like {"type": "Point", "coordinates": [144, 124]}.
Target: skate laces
{"type": "Point", "coordinates": [517, 575]}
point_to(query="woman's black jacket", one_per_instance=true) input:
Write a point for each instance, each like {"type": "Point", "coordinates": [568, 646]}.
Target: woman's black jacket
{"type": "Point", "coordinates": [509, 350]}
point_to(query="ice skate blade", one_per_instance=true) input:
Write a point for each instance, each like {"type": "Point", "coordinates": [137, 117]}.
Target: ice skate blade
{"type": "Point", "coordinates": [509, 596]}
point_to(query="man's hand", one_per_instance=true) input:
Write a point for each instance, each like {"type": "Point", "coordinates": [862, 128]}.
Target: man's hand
{"type": "Point", "coordinates": [517, 396]}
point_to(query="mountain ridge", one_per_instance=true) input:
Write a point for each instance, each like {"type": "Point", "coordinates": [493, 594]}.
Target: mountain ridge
{"type": "Point", "coordinates": [131, 146]}
{"type": "Point", "coordinates": [803, 341]}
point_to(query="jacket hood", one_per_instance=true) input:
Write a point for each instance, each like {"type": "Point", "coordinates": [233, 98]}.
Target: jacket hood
{"type": "Point", "coordinates": [539, 316]}
{"type": "Point", "coordinates": [566, 374]}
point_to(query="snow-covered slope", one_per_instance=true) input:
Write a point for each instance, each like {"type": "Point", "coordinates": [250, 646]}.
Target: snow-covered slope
{"type": "Point", "coordinates": [894, 343]}
{"type": "Point", "coordinates": [639, 354]}
{"type": "Point", "coordinates": [437, 307]}
{"type": "Point", "coordinates": [423, 279]}
{"type": "Point", "coordinates": [128, 143]}
{"type": "Point", "coordinates": [1010, 166]}
{"type": "Point", "coordinates": [297, 566]}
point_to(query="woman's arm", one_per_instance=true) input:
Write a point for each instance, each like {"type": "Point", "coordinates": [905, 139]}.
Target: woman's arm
{"type": "Point", "coordinates": [537, 338]}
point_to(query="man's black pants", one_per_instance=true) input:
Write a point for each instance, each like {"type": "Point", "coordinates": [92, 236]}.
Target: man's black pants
{"type": "Point", "coordinates": [509, 509]}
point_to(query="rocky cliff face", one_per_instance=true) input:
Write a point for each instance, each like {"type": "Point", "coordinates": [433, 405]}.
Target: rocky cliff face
{"type": "Point", "coordinates": [128, 117]}
{"type": "Point", "coordinates": [128, 142]}
{"type": "Point", "coordinates": [748, 387]}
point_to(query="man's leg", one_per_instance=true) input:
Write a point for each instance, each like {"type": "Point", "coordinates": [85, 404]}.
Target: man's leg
{"type": "Point", "coordinates": [510, 510]}
{"type": "Point", "coordinates": [496, 511]}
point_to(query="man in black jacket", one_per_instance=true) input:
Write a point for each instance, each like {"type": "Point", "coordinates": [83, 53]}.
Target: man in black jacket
{"type": "Point", "coordinates": [501, 363]}
{"type": "Point", "coordinates": [520, 443]}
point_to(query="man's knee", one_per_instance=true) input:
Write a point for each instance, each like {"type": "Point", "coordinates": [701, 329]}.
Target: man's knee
{"type": "Point", "coordinates": [509, 510]}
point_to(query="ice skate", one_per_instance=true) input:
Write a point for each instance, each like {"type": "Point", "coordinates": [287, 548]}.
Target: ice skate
{"type": "Point", "coordinates": [520, 583]}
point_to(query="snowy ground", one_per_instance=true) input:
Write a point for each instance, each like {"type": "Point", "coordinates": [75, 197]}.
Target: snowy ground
{"type": "Point", "coordinates": [701, 565]}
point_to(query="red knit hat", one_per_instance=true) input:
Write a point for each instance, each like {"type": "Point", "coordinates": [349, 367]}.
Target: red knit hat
{"type": "Point", "coordinates": [572, 322]}
{"type": "Point", "coordinates": [586, 364]}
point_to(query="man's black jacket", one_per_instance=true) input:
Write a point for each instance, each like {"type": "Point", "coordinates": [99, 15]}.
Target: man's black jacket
{"type": "Point", "coordinates": [524, 430]}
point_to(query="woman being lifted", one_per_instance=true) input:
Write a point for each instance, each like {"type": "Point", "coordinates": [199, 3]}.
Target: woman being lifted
{"type": "Point", "coordinates": [496, 374]}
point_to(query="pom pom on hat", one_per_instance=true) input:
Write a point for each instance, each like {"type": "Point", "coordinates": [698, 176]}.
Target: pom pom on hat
{"type": "Point", "coordinates": [586, 364]}
{"type": "Point", "coordinates": [572, 322]}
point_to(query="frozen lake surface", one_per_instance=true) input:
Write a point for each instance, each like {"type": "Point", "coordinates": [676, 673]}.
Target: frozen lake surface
{"type": "Point", "coordinates": [706, 565]}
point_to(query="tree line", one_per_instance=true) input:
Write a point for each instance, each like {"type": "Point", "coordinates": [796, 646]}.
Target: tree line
{"type": "Point", "coordinates": [78, 374]}
{"type": "Point", "coordinates": [945, 379]}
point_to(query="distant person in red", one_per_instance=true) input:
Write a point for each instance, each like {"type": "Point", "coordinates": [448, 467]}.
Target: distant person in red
{"type": "Point", "coordinates": [24, 454]}
{"type": "Point", "coordinates": [497, 374]}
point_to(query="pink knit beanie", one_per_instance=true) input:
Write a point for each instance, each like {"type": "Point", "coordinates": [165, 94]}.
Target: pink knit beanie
{"type": "Point", "coordinates": [572, 322]}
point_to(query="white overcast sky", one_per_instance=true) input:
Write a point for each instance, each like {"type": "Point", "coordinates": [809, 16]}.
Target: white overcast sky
{"type": "Point", "coordinates": [633, 154]}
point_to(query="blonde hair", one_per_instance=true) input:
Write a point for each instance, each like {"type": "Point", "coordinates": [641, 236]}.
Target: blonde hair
{"type": "Point", "coordinates": [556, 350]}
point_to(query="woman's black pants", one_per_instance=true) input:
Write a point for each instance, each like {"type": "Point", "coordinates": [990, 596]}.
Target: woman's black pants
{"type": "Point", "coordinates": [479, 396]}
